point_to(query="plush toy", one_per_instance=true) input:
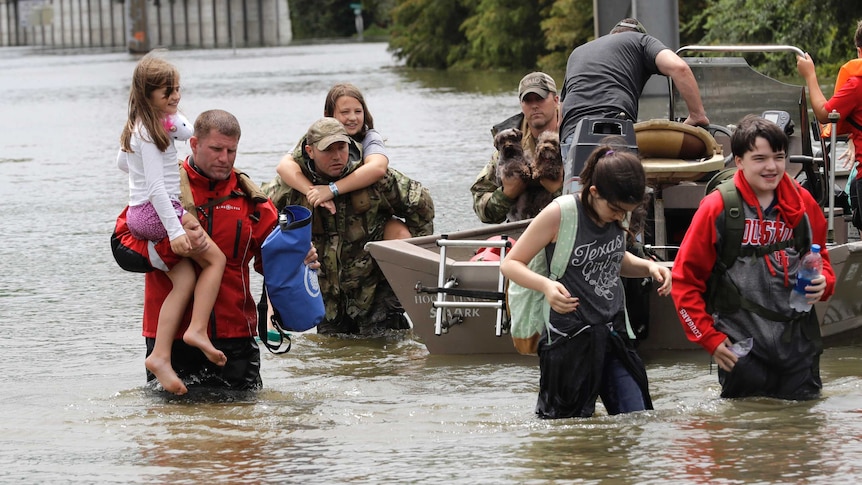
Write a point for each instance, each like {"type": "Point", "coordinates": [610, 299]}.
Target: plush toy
{"type": "Point", "coordinates": [178, 127]}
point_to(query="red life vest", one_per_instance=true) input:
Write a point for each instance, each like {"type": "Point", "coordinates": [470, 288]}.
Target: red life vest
{"type": "Point", "coordinates": [490, 254]}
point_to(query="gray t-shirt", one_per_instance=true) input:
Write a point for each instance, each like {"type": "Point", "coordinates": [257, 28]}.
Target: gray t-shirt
{"type": "Point", "coordinates": [606, 76]}
{"type": "Point", "coordinates": [592, 275]}
{"type": "Point", "coordinates": [373, 144]}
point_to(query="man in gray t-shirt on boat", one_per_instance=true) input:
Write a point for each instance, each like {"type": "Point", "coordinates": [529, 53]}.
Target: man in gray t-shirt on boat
{"type": "Point", "coordinates": [605, 78]}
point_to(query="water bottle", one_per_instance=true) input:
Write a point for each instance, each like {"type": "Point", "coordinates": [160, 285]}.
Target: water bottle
{"type": "Point", "coordinates": [810, 268]}
{"type": "Point", "coordinates": [743, 347]}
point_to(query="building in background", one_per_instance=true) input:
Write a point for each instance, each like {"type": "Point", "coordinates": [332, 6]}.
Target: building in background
{"type": "Point", "coordinates": [141, 25]}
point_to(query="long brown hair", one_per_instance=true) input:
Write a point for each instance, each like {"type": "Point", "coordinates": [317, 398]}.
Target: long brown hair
{"type": "Point", "coordinates": [347, 89]}
{"type": "Point", "coordinates": [618, 176]}
{"type": "Point", "coordinates": [151, 73]}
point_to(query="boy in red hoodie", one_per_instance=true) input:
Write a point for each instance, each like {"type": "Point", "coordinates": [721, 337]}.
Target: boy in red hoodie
{"type": "Point", "coordinates": [784, 361]}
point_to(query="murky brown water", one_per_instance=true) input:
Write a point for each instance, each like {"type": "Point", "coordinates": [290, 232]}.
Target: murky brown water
{"type": "Point", "coordinates": [333, 411]}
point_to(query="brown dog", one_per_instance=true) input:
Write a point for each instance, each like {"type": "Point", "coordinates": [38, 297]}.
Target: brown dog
{"type": "Point", "coordinates": [548, 163]}
{"type": "Point", "coordinates": [511, 161]}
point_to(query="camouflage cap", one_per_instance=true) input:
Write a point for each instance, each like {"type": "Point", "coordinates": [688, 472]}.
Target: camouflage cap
{"type": "Point", "coordinates": [324, 132]}
{"type": "Point", "coordinates": [537, 82]}
{"type": "Point", "coordinates": [630, 24]}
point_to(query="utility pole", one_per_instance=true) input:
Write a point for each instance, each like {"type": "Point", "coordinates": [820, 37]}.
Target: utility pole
{"type": "Point", "coordinates": [137, 36]}
{"type": "Point", "coordinates": [660, 17]}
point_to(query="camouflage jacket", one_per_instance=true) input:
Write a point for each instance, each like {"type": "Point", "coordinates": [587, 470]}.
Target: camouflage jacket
{"type": "Point", "coordinates": [490, 204]}
{"type": "Point", "coordinates": [348, 274]}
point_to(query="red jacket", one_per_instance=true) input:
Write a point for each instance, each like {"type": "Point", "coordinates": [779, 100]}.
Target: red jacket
{"type": "Point", "coordinates": [697, 255]}
{"type": "Point", "coordinates": [233, 227]}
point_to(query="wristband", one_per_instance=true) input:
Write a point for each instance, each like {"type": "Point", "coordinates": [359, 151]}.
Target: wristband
{"type": "Point", "coordinates": [333, 188]}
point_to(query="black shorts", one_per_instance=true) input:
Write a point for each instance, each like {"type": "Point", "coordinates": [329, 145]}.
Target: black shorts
{"type": "Point", "coordinates": [242, 371]}
{"type": "Point", "coordinates": [575, 371]}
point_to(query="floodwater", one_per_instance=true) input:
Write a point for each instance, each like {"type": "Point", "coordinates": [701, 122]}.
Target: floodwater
{"type": "Point", "coordinates": [72, 400]}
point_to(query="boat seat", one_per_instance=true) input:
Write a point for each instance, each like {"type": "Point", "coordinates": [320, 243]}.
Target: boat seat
{"type": "Point", "coordinates": [673, 152]}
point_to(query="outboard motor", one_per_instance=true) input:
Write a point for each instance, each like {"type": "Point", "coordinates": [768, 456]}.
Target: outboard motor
{"type": "Point", "coordinates": [590, 133]}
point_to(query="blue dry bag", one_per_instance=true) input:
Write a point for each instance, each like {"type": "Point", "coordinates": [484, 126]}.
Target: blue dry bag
{"type": "Point", "coordinates": [292, 287]}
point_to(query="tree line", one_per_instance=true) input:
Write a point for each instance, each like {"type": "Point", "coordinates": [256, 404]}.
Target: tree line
{"type": "Point", "coordinates": [526, 34]}
{"type": "Point", "coordinates": [540, 34]}
{"type": "Point", "coordinates": [316, 19]}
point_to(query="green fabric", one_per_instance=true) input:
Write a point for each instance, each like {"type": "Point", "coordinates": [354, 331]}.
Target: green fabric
{"type": "Point", "coordinates": [529, 309]}
{"type": "Point", "coordinates": [348, 274]}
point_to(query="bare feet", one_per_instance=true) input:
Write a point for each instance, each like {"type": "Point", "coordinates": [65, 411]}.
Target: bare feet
{"type": "Point", "coordinates": [165, 374]}
{"type": "Point", "coordinates": [202, 341]}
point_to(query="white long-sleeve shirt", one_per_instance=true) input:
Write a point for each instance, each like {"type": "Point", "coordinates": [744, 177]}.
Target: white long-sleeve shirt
{"type": "Point", "coordinates": [153, 176]}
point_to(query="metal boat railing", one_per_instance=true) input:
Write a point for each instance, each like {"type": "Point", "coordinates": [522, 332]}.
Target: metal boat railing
{"type": "Point", "coordinates": [726, 48]}
{"type": "Point", "coordinates": [834, 116]}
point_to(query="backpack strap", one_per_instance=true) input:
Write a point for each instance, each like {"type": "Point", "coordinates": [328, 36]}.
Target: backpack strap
{"type": "Point", "coordinates": [801, 240]}
{"type": "Point", "coordinates": [566, 235]}
{"type": "Point", "coordinates": [250, 189]}
{"type": "Point", "coordinates": [854, 123]}
{"type": "Point", "coordinates": [563, 248]}
{"type": "Point", "coordinates": [566, 242]}
{"type": "Point", "coordinates": [734, 225]}
{"type": "Point", "coordinates": [186, 197]}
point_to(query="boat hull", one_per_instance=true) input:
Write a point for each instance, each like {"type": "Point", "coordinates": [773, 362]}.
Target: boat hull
{"type": "Point", "coordinates": [415, 262]}
{"type": "Point", "coordinates": [411, 262]}
{"type": "Point", "coordinates": [841, 316]}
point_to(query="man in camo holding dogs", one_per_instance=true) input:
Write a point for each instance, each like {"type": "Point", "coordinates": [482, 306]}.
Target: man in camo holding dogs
{"type": "Point", "coordinates": [494, 201]}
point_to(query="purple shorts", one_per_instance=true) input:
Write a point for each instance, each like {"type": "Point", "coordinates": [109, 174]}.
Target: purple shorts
{"type": "Point", "coordinates": [144, 222]}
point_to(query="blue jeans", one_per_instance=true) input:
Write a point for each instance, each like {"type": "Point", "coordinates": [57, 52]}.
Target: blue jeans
{"type": "Point", "coordinates": [619, 391]}
{"type": "Point", "coordinates": [571, 180]}
{"type": "Point", "coordinates": [597, 362]}
{"type": "Point", "coordinates": [566, 144]}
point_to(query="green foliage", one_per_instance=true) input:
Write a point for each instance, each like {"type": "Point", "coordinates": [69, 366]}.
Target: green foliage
{"type": "Point", "coordinates": [321, 18]}
{"type": "Point", "coordinates": [691, 32]}
{"type": "Point", "coordinates": [568, 24]}
{"type": "Point", "coordinates": [529, 34]}
{"type": "Point", "coordinates": [428, 33]}
{"type": "Point", "coordinates": [823, 29]}
{"type": "Point", "coordinates": [311, 19]}
{"type": "Point", "coordinates": [489, 35]}
{"type": "Point", "coordinates": [377, 13]}
{"type": "Point", "coordinates": [465, 34]}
